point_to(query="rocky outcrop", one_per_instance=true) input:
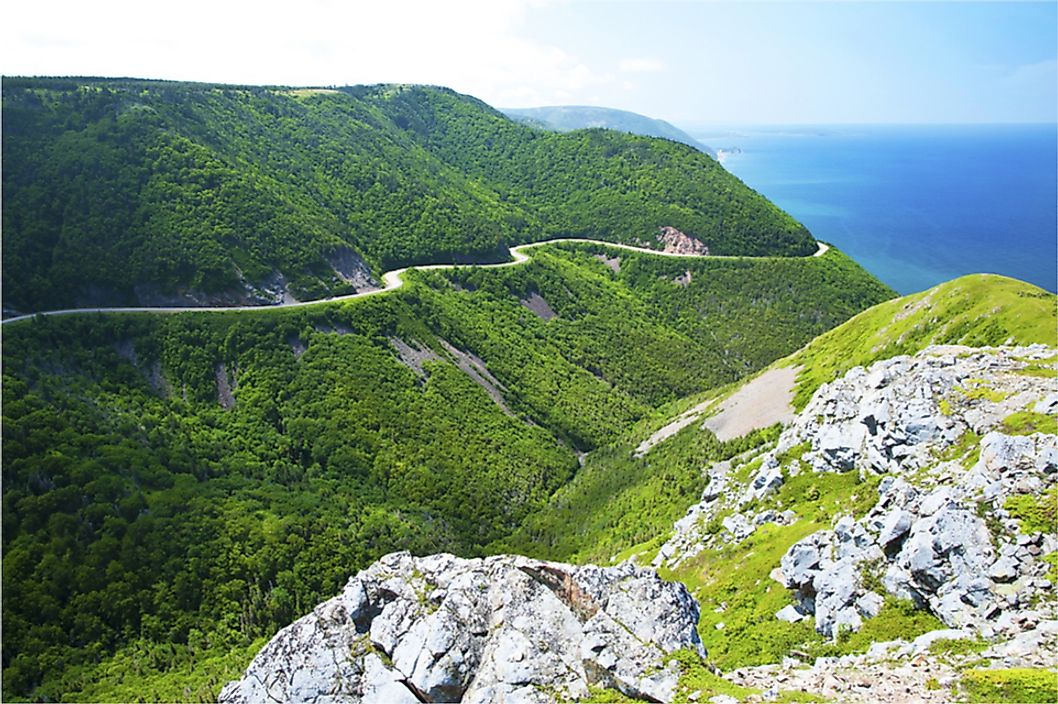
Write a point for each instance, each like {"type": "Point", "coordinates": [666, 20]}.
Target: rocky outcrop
{"type": "Point", "coordinates": [499, 629]}
{"type": "Point", "coordinates": [351, 268]}
{"type": "Point", "coordinates": [928, 538]}
{"type": "Point", "coordinates": [673, 241]}
{"type": "Point", "coordinates": [940, 534]}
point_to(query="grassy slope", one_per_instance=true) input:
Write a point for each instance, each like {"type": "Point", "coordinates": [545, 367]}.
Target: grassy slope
{"type": "Point", "coordinates": [976, 310]}
{"type": "Point", "coordinates": [159, 526]}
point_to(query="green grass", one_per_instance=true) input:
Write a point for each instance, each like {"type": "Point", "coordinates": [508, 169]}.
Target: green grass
{"type": "Point", "coordinates": [618, 505]}
{"type": "Point", "coordinates": [978, 389]}
{"type": "Point", "coordinates": [1046, 371]}
{"type": "Point", "coordinates": [1052, 560]}
{"type": "Point", "coordinates": [643, 552]}
{"type": "Point", "coordinates": [1045, 368]}
{"type": "Point", "coordinates": [819, 497]}
{"type": "Point", "coordinates": [949, 648]}
{"type": "Point", "coordinates": [605, 695]}
{"type": "Point", "coordinates": [966, 449]}
{"type": "Point", "coordinates": [1013, 685]}
{"type": "Point", "coordinates": [1028, 422]}
{"type": "Point", "coordinates": [899, 618]}
{"type": "Point", "coordinates": [1038, 514]}
{"type": "Point", "coordinates": [795, 696]}
{"type": "Point", "coordinates": [737, 578]}
{"type": "Point", "coordinates": [696, 677]}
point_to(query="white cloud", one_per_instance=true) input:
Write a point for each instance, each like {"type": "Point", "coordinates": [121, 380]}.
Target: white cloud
{"type": "Point", "coordinates": [642, 65]}
{"type": "Point", "coordinates": [474, 46]}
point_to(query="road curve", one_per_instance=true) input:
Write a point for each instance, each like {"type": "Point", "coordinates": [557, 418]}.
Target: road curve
{"type": "Point", "coordinates": [391, 280]}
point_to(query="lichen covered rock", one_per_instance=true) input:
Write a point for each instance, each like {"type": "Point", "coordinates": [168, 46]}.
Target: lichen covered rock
{"type": "Point", "coordinates": [499, 629]}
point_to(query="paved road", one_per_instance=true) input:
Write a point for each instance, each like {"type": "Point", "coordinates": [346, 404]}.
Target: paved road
{"type": "Point", "coordinates": [391, 280]}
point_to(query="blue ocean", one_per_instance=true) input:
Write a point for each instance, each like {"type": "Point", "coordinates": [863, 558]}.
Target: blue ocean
{"type": "Point", "coordinates": [915, 205]}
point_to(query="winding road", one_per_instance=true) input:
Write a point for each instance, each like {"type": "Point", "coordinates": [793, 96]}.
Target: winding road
{"type": "Point", "coordinates": [391, 280]}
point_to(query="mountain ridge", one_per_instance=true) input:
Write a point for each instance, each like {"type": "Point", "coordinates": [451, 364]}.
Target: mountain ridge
{"type": "Point", "coordinates": [572, 117]}
{"type": "Point", "coordinates": [120, 191]}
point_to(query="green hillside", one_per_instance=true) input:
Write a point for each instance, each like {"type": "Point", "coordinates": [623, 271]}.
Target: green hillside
{"type": "Point", "coordinates": [618, 501]}
{"type": "Point", "coordinates": [120, 191]}
{"type": "Point", "coordinates": [976, 310]}
{"type": "Point", "coordinates": [177, 487]}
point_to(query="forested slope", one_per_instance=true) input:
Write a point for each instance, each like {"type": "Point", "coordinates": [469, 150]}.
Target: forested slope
{"type": "Point", "coordinates": [119, 191]}
{"type": "Point", "coordinates": [177, 487]}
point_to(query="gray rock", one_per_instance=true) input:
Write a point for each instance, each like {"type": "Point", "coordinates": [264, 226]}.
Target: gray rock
{"type": "Point", "coordinates": [870, 604]}
{"type": "Point", "coordinates": [738, 526]}
{"type": "Point", "coordinates": [723, 699]}
{"type": "Point", "coordinates": [1026, 643]}
{"type": "Point", "coordinates": [790, 613]}
{"type": "Point", "coordinates": [924, 641]}
{"type": "Point", "coordinates": [1003, 453]}
{"type": "Point", "coordinates": [768, 516]}
{"type": "Point", "coordinates": [504, 628]}
{"type": "Point", "coordinates": [1005, 569]}
{"type": "Point", "coordinates": [895, 527]}
{"type": "Point", "coordinates": [941, 497]}
{"type": "Point", "coordinates": [835, 600]}
{"type": "Point", "coordinates": [838, 445]}
{"type": "Point", "coordinates": [1048, 404]}
{"type": "Point", "coordinates": [801, 563]}
{"type": "Point", "coordinates": [767, 480]}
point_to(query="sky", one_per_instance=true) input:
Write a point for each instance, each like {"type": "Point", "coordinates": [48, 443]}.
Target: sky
{"type": "Point", "coordinates": [692, 63]}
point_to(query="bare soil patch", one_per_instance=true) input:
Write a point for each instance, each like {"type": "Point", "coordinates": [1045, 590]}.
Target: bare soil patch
{"type": "Point", "coordinates": [760, 402]}
{"type": "Point", "coordinates": [474, 367]}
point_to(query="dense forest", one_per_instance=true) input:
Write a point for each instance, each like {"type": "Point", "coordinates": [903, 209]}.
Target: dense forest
{"type": "Point", "coordinates": [121, 191]}
{"type": "Point", "coordinates": [177, 487]}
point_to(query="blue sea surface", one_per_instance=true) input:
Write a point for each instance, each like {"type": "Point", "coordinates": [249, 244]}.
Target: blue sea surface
{"type": "Point", "coordinates": [915, 205]}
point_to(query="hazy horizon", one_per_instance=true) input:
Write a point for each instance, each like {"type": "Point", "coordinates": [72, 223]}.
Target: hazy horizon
{"type": "Point", "coordinates": [697, 63]}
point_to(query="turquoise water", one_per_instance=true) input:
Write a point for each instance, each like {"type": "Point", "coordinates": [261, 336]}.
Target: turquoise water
{"type": "Point", "coordinates": [914, 205]}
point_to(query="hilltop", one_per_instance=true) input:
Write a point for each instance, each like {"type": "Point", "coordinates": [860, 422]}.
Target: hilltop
{"type": "Point", "coordinates": [120, 191]}
{"type": "Point", "coordinates": [671, 494]}
{"type": "Point", "coordinates": [565, 118]}
{"type": "Point", "coordinates": [895, 539]}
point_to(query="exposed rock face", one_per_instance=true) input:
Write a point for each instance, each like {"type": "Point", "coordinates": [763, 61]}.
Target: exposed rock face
{"type": "Point", "coordinates": [940, 533]}
{"type": "Point", "coordinates": [350, 268]}
{"type": "Point", "coordinates": [500, 629]}
{"type": "Point", "coordinates": [675, 242]}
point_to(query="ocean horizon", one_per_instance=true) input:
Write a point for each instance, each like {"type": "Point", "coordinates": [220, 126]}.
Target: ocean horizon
{"type": "Point", "coordinates": [916, 205]}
